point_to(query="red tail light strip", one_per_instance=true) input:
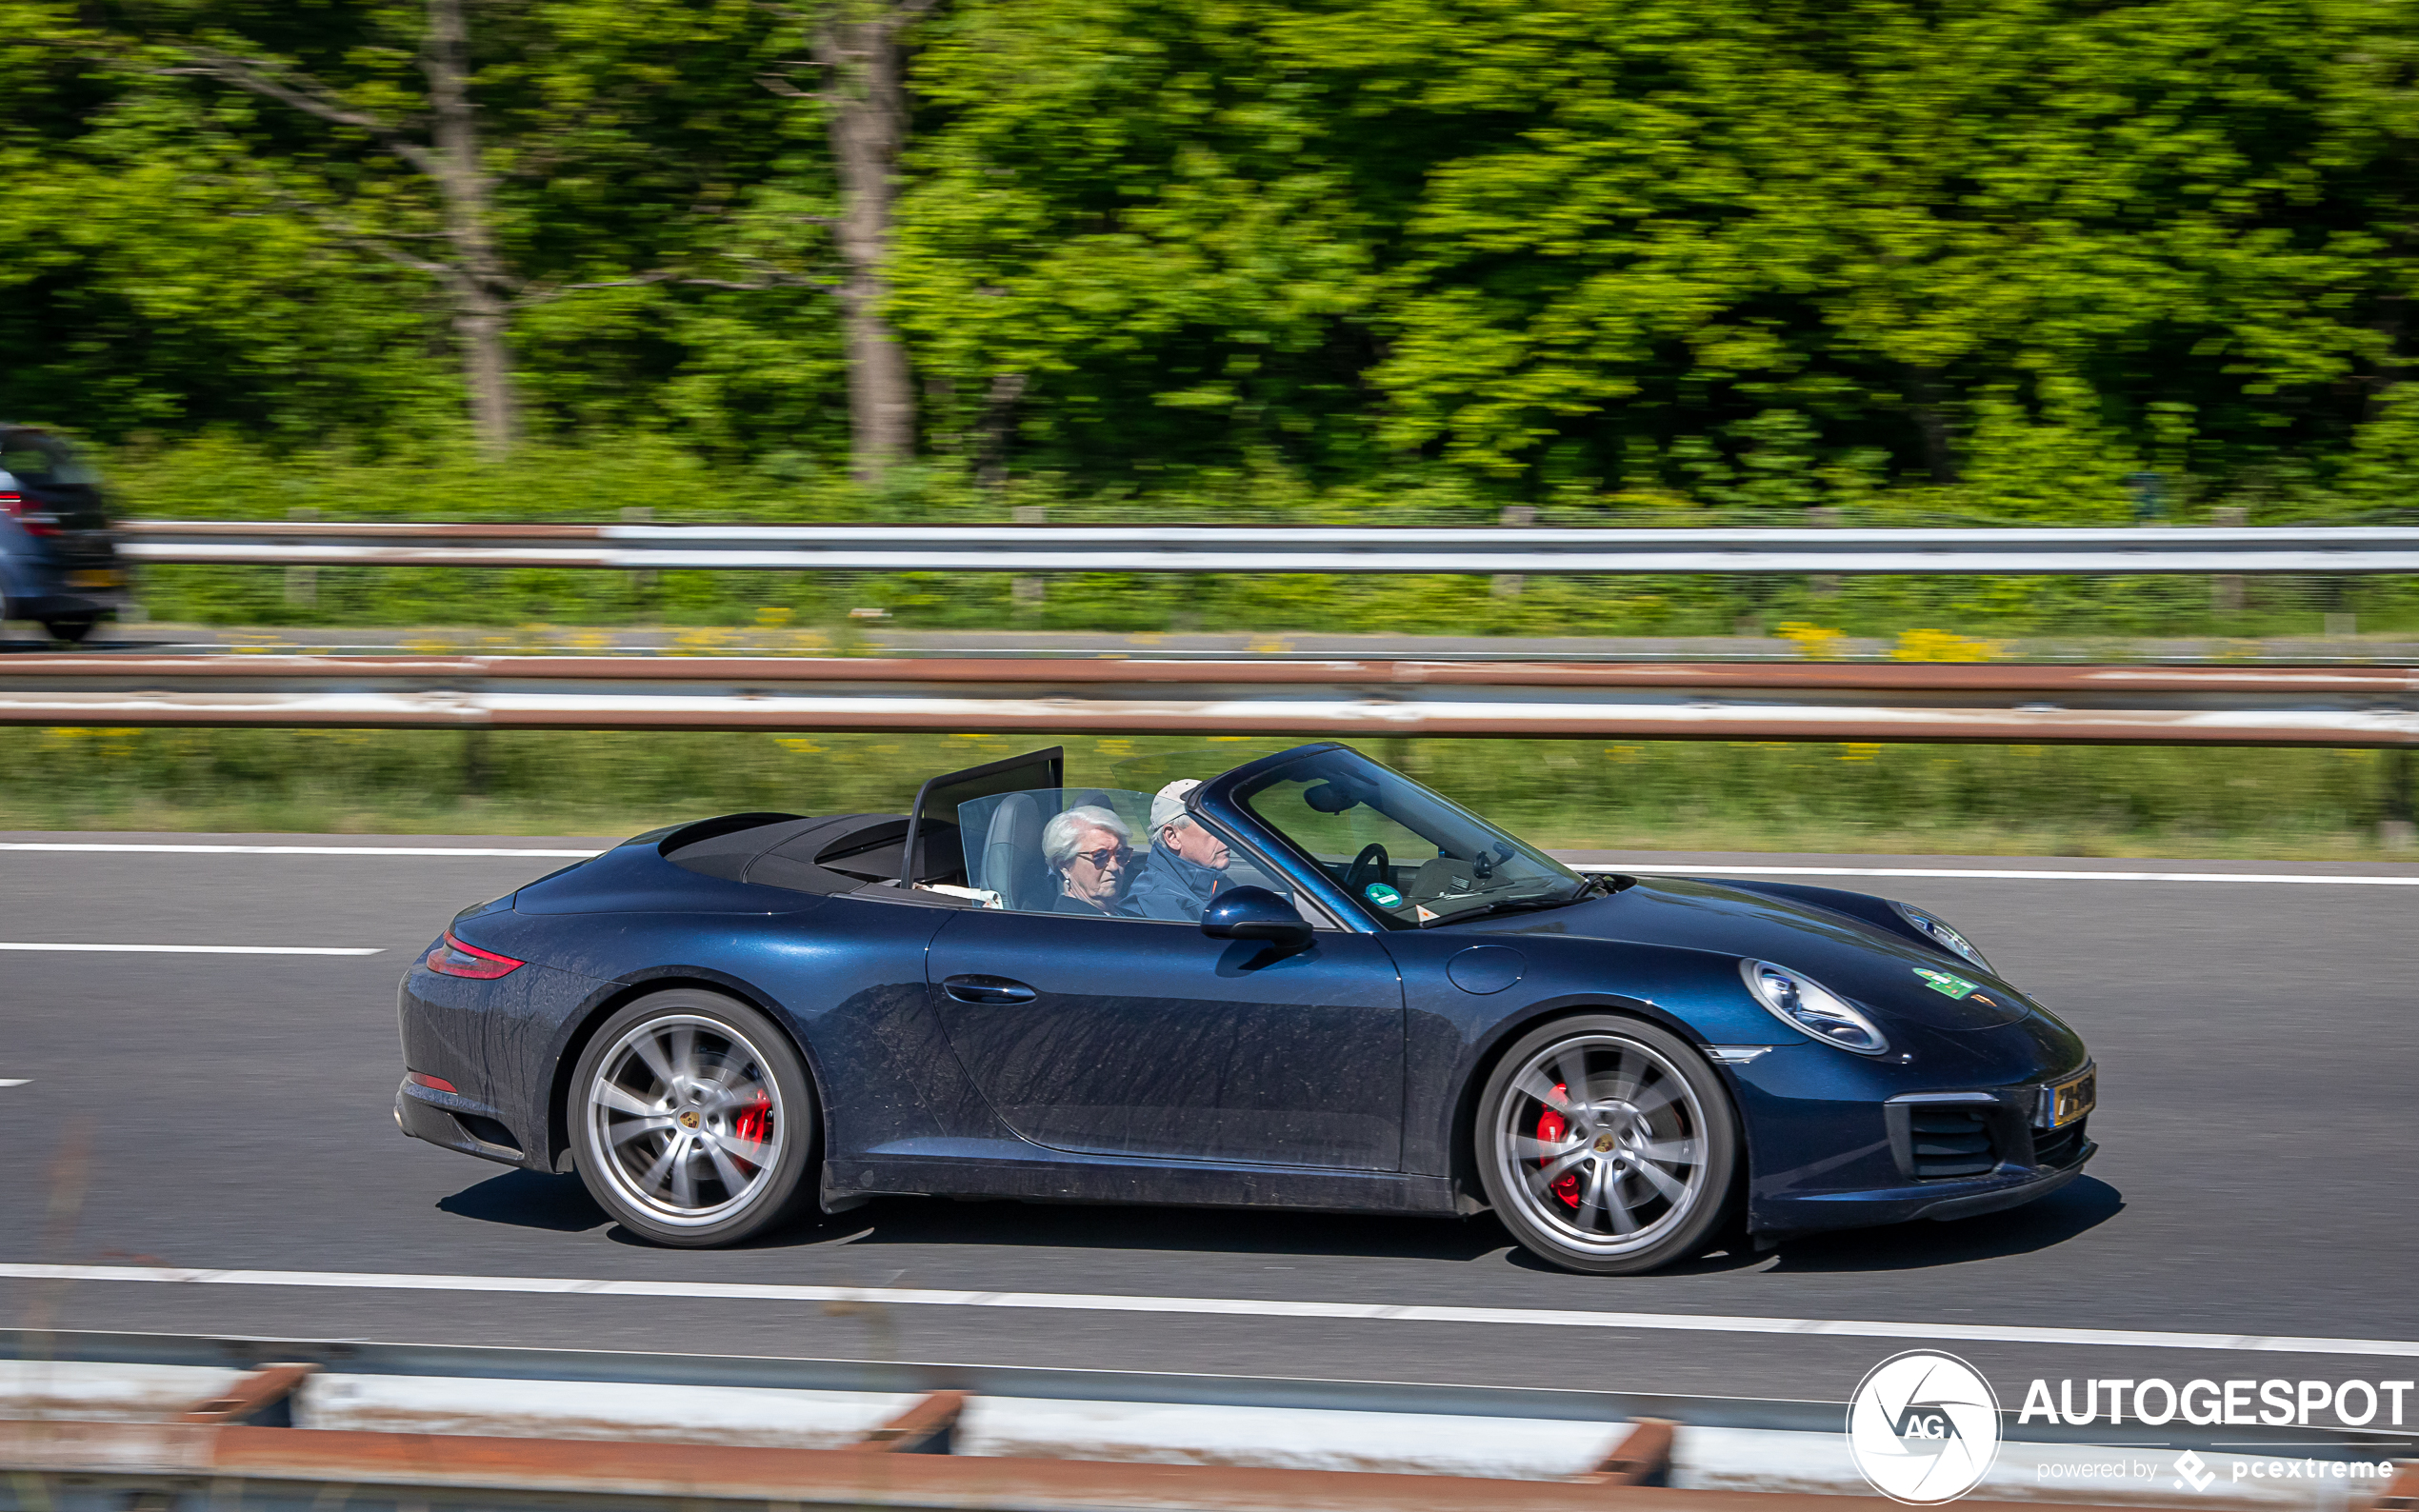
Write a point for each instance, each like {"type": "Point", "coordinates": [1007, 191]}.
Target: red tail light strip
{"type": "Point", "coordinates": [434, 1083]}
{"type": "Point", "coordinates": [454, 959]}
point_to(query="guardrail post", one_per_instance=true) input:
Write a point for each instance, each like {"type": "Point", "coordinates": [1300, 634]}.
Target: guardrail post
{"type": "Point", "coordinates": [1643, 1456]}
{"type": "Point", "coordinates": [302, 583]}
{"type": "Point", "coordinates": [642, 583]}
{"type": "Point", "coordinates": [1828, 517]}
{"type": "Point", "coordinates": [262, 1398]}
{"type": "Point", "coordinates": [925, 1427]}
{"type": "Point", "coordinates": [1524, 516]}
{"type": "Point", "coordinates": [1025, 590]}
{"type": "Point", "coordinates": [2395, 827]}
{"type": "Point", "coordinates": [2225, 589]}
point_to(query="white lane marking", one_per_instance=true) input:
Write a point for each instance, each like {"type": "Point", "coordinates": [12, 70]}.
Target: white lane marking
{"type": "Point", "coordinates": [1227, 1307]}
{"type": "Point", "coordinates": [1650, 869]}
{"type": "Point", "coordinates": [14, 1080]}
{"type": "Point", "coordinates": [200, 950]}
{"type": "Point", "coordinates": [295, 851]}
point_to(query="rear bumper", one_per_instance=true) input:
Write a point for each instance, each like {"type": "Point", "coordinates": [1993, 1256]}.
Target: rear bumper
{"type": "Point", "coordinates": [455, 1122]}
{"type": "Point", "coordinates": [100, 603]}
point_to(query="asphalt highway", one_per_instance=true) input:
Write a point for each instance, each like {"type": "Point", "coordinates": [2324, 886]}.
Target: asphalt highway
{"type": "Point", "coordinates": [2258, 1040]}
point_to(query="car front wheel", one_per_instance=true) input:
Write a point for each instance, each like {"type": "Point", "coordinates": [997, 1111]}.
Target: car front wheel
{"type": "Point", "coordinates": [1607, 1144]}
{"type": "Point", "coordinates": [692, 1121]}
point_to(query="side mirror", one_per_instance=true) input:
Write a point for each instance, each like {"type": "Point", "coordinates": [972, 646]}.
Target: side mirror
{"type": "Point", "coordinates": [1255, 913]}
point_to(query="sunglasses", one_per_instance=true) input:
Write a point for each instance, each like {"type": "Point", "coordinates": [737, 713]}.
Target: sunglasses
{"type": "Point", "coordinates": [1101, 858]}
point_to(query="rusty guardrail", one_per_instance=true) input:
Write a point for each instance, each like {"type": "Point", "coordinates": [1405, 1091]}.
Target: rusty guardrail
{"type": "Point", "coordinates": [100, 1423]}
{"type": "Point", "coordinates": [1245, 548]}
{"type": "Point", "coordinates": [906, 1462]}
{"type": "Point", "coordinates": [2228, 706]}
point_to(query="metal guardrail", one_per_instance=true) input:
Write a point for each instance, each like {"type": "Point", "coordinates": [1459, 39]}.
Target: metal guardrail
{"type": "Point", "coordinates": [2229, 706]}
{"type": "Point", "coordinates": [2327, 550]}
{"type": "Point", "coordinates": [106, 1421]}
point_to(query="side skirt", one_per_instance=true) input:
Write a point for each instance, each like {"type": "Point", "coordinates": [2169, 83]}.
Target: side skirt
{"type": "Point", "coordinates": [1030, 1174]}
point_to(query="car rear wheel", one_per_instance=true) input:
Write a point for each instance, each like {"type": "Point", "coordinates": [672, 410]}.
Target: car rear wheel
{"type": "Point", "coordinates": [1607, 1144]}
{"type": "Point", "coordinates": [692, 1121]}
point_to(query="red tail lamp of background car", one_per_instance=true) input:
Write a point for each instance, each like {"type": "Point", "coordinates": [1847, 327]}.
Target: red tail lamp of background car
{"type": "Point", "coordinates": [452, 958]}
{"type": "Point", "coordinates": [35, 524]}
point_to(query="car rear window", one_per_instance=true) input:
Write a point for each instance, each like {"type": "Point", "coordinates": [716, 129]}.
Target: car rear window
{"type": "Point", "coordinates": [33, 458]}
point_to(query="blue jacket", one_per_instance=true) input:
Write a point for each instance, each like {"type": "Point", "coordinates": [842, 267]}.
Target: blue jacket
{"type": "Point", "coordinates": [1173, 887]}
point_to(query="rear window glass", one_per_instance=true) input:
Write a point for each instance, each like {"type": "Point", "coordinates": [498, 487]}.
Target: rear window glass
{"type": "Point", "coordinates": [39, 459]}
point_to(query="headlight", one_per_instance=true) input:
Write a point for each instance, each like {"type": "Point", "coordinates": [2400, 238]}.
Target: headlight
{"type": "Point", "coordinates": [1949, 939]}
{"type": "Point", "coordinates": [1811, 1009]}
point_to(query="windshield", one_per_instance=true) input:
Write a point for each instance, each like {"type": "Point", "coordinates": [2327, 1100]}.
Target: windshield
{"type": "Point", "coordinates": [1413, 856]}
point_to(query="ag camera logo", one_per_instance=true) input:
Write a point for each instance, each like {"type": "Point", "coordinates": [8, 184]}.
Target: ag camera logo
{"type": "Point", "coordinates": [1924, 1428]}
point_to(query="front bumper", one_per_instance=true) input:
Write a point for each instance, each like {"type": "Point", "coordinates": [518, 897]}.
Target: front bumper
{"type": "Point", "coordinates": [2010, 1186]}
{"type": "Point", "coordinates": [1846, 1142]}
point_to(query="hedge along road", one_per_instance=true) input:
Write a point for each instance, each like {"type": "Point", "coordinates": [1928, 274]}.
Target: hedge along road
{"type": "Point", "coordinates": [229, 1111]}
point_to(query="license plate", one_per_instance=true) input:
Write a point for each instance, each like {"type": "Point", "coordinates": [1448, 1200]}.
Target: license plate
{"type": "Point", "coordinates": [96, 580]}
{"type": "Point", "coordinates": [2070, 1100]}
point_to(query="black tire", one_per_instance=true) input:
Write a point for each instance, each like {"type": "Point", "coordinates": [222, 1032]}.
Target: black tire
{"type": "Point", "coordinates": [668, 1157]}
{"type": "Point", "coordinates": [1637, 1174]}
{"type": "Point", "coordinates": [71, 631]}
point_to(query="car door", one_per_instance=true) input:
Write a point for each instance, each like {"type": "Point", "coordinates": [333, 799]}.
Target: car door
{"type": "Point", "coordinates": [1109, 1035]}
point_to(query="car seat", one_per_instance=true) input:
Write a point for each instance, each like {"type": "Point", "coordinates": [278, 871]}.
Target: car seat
{"type": "Point", "coordinates": [1012, 854]}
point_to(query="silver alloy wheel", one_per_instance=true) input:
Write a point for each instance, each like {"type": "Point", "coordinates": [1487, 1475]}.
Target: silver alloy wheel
{"type": "Point", "coordinates": [687, 1119]}
{"type": "Point", "coordinates": [1603, 1142]}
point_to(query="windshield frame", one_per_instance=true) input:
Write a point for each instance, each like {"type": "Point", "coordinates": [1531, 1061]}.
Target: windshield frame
{"type": "Point", "coordinates": [1238, 788]}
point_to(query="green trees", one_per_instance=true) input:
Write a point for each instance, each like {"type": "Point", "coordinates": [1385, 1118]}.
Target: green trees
{"type": "Point", "coordinates": [1982, 255]}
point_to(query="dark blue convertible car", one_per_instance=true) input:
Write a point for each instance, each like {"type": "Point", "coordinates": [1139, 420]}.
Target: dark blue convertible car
{"type": "Point", "coordinates": [1308, 982]}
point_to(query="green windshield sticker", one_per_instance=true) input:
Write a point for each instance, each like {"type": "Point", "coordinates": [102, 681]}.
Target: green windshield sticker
{"type": "Point", "coordinates": [1384, 896]}
{"type": "Point", "coordinates": [1943, 982]}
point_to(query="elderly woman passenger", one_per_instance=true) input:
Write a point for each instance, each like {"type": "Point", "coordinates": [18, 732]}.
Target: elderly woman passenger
{"type": "Point", "coordinates": [1089, 851]}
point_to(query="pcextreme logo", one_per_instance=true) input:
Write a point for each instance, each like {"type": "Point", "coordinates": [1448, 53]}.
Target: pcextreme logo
{"type": "Point", "coordinates": [1924, 1428]}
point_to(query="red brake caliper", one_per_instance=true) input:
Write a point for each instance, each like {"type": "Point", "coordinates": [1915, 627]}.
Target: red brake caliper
{"type": "Point", "coordinates": [754, 1123]}
{"type": "Point", "coordinates": [1550, 1129]}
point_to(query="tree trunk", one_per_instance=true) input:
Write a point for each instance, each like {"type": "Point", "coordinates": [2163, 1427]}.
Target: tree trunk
{"type": "Point", "coordinates": [860, 53]}
{"type": "Point", "coordinates": [481, 314]}
{"type": "Point", "coordinates": [1939, 452]}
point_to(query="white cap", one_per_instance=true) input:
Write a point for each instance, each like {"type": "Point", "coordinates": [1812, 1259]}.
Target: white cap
{"type": "Point", "coordinates": [1168, 805]}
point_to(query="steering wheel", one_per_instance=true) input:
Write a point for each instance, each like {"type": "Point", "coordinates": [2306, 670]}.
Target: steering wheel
{"type": "Point", "coordinates": [1382, 871]}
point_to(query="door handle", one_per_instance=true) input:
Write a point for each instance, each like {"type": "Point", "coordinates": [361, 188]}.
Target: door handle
{"type": "Point", "coordinates": [987, 989]}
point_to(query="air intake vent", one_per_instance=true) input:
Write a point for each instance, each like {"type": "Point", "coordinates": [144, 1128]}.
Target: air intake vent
{"type": "Point", "coordinates": [487, 1131]}
{"type": "Point", "coordinates": [2060, 1148]}
{"type": "Point", "coordinates": [1951, 1141]}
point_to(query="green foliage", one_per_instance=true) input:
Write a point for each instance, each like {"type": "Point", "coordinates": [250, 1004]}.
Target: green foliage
{"type": "Point", "coordinates": [1988, 259]}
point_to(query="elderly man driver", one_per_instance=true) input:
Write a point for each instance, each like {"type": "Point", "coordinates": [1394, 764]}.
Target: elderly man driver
{"type": "Point", "coordinates": [1089, 851]}
{"type": "Point", "coordinates": [1188, 863]}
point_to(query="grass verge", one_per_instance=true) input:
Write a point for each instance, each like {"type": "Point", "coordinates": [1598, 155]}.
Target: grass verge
{"type": "Point", "coordinates": [2074, 801]}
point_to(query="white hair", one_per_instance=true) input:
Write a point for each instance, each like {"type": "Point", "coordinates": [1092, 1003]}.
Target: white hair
{"type": "Point", "coordinates": [1063, 836]}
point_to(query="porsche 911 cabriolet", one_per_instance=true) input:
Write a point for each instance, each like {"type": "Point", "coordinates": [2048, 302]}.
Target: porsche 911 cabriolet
{"type": "Point", "coordinates": [1306, 982]}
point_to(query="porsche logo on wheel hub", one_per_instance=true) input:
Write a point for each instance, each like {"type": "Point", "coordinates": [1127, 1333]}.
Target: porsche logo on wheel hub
{"type": "Point", "coordinates": [688, 1118]}
{"type": "Point", "coordinates": [1604, 1143]}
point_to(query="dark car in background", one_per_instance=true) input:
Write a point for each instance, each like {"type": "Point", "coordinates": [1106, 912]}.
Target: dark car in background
{"type": "Point", "coordinates": [58, 557]}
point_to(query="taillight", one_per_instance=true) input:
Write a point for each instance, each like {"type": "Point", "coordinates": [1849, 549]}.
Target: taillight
{"type": "Point", "coordinates": [35, 523]}
{"type": "Point", "coordinates": [453, 959]}
{"type": "Point", "coordinates": [434, 1083]}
